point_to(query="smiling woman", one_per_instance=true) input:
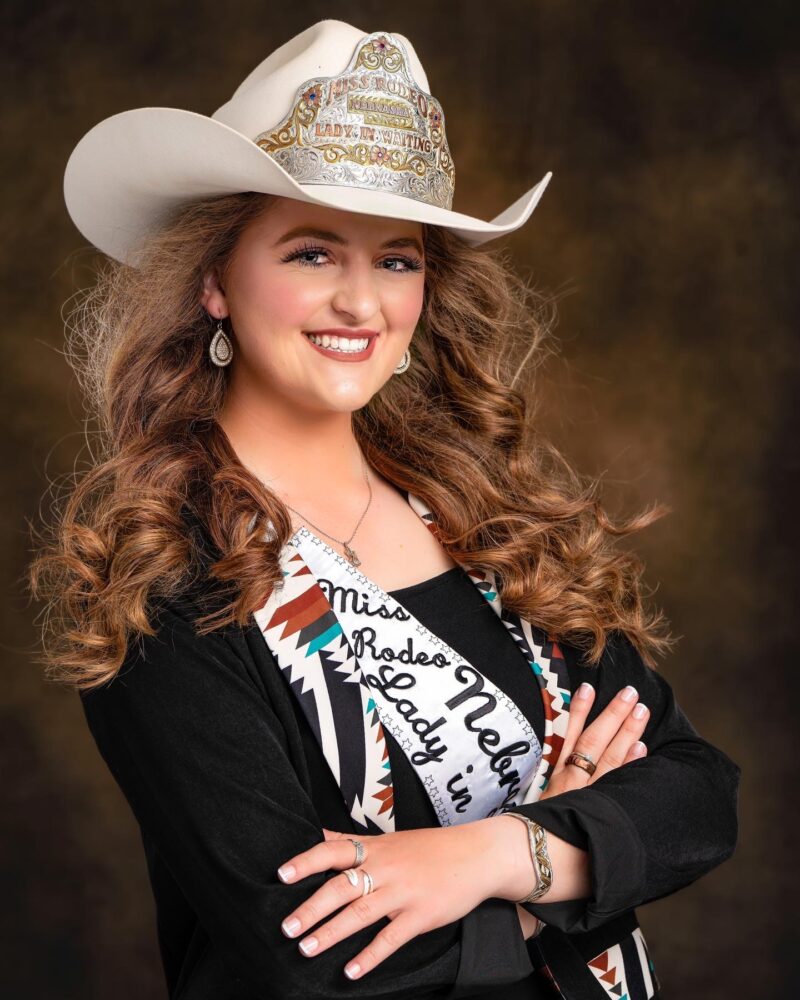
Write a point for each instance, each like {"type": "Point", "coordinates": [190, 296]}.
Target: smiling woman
{"type": "Point", "coordinates": [333, 607]}
{"type": "Point", "coordinates": [282, 294]}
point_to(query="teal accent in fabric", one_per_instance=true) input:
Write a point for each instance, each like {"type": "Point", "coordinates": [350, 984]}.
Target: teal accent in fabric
{"type": "Point", "coordinates": [322, 640]}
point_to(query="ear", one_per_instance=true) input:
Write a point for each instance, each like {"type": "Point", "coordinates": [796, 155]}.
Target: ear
{"type": "Point", "coordinates": [213, 295]}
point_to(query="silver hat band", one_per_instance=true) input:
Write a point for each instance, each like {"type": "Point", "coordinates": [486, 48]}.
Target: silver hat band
{"type": "Point", "coordinates": [370, 127]}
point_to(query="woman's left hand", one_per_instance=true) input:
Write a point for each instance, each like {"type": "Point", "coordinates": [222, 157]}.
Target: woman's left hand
{"type": "Point", "coordinates": [422, 879]}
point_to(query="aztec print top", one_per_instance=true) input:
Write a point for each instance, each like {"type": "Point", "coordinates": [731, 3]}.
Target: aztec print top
{"type": "Point", "coordinates": [226, 780]}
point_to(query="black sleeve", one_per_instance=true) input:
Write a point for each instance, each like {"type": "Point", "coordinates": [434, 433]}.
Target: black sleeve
{"type": "Point", "coordinates": [198, 753]}
{"type": "Point", "coordinates": [653, 825]}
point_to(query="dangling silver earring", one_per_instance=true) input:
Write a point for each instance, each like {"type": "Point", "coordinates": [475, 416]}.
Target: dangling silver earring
{"type": "Point", "coordinates": [220, 350]}
{"type": "Point", "coordinates": [405, 361]}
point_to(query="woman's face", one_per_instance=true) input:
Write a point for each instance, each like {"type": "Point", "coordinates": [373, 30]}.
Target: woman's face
{"type": "Point", "coordinates": [299, 269]}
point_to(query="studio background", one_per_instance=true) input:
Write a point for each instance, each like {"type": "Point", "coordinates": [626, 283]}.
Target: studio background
{"type": "Point", "coordinates": [669, 233]}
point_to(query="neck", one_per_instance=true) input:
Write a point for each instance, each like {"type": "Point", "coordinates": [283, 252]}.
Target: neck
{"type": "Point", "coordinates": [310, 459]}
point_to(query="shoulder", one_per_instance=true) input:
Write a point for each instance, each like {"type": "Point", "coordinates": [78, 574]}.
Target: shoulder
{"type": "Point", "coordinates": [178, 689]}
{"type": "Point", "coordinates": [618, 650]}
{"type": "Point", "coordinates": [180, 650]}
{"type": "Point", "coordinates": [620, 664]}
{"type": "Point", "coordinates": [162, 667]}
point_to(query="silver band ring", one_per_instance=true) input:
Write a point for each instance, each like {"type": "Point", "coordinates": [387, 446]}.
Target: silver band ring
{"type": "Point", "coordinates": [352, 878]}
{"type": "Point", "coordinates": [360, 852]}
{"type": "Point", "coordinates": [583, 761]}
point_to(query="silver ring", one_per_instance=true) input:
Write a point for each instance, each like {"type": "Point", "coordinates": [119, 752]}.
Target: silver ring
{"type": "Point", "coordinates": [352, 878]}
{"type": "Point", "coordinates": [360, 852]}
{"type": "Point", "coordinates": [368, 886]}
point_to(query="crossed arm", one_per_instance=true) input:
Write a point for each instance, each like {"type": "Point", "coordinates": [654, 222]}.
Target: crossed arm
{"type": "Point", "coordinates": [471, 863]}
{"type": "Point", "coordinates": [198, 753]}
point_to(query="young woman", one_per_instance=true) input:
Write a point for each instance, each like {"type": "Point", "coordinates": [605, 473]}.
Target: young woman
{"type": "Point", "coordinates": [333, 607]}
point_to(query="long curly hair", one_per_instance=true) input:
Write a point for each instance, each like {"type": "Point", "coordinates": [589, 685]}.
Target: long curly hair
{"type": "Point", "coordinates": [457, 429]}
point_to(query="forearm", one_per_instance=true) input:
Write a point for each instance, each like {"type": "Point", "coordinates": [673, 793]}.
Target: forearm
{"type": "Point", "coordinates": [514, 872]}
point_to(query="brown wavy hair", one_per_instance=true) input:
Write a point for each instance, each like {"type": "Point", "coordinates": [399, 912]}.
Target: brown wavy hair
{"type": "Point", "coordinates": [457, 429]}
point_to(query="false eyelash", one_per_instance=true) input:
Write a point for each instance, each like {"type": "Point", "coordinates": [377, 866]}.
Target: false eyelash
{"type": "Point", "coordinates": [411, 263]}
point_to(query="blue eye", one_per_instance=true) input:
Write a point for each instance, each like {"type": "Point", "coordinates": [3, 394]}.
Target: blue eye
{"type": "Point", "coordinates": [302, 254]}
{"type": "Point", "coordinates": [410, 263]}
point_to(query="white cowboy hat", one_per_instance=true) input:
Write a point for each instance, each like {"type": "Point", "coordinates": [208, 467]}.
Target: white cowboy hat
{"type": "Point", "coordinates": [334, 117]}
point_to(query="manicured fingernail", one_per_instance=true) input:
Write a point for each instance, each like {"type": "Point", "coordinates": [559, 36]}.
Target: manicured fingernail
{"type": "Point", "coordinates": [309, 945]}
{"type": "Point", "coordinates": [638, 748]}
{"type": "Point", "coordinates": [352, 970]}
{"type": "Point", "coordinates": [585, 690]}
{"type": "Point", "coordinates": [639, 711]}
{"type": "Point", "coordinates": [291, 927]}
{"type": "Point", "coordinates": [286, 873]}
{"type": "Point", "coordinates": [629, 693]}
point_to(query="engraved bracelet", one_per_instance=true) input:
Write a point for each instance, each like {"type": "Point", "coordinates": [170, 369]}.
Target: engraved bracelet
{"type": "Point", "coordinates": [537, 841]}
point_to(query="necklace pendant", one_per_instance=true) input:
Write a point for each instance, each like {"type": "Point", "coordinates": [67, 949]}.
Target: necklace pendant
{"type": "Point", "coordinates": [351, 555]}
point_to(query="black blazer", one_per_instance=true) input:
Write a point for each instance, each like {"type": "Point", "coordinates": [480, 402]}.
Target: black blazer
{"type": "Point", "coordinates": [226, 780]}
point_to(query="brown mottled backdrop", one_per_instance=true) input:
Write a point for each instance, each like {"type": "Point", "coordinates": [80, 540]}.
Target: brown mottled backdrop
{"type": "Point", "coordinates": [670, 232]}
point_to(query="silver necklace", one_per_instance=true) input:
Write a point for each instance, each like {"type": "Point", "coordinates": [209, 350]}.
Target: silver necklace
{"type": "Point", "coordinates": [348, 551]}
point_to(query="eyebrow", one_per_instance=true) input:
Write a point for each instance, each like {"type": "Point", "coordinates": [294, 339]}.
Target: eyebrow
{"type": "Point", "coordinates": [331, 237]}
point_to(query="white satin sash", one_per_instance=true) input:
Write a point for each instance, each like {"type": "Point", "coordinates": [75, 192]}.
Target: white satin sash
{"type": "Point", "coordinates": [358, 661]}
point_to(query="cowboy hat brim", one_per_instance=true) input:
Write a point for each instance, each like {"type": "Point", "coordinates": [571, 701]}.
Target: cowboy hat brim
{"type": "Point", "coordinates": [131, 170]}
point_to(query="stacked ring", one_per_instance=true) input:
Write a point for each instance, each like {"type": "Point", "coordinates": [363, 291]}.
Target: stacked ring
{"type": "Point", "coordinates": [360, 853]}
{"type": "Point", "coordinates": [352, 878]}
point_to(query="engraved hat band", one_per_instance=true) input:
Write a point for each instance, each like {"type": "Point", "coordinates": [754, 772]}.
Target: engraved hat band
{"type": "Point", "coordinates": [370, 127]}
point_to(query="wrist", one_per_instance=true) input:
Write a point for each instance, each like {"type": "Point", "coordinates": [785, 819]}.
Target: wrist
{"type": "Point", "coordinates": [508, 847]}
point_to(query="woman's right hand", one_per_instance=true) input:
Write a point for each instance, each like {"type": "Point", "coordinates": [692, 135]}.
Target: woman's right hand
{"type": "Point", "coordinates": [611, 740]}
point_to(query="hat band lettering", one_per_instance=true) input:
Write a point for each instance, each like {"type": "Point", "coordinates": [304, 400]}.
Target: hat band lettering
{"type": "Point", "coordinates": [370, 127]}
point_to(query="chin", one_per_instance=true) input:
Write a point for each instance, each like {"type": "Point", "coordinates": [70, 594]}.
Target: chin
{"type": "Point", "coordinates": [352, 397]}
{"type": "Point", "coordinates": [338, 404]}
{"type": "Point", "coordinates": [350, 405]}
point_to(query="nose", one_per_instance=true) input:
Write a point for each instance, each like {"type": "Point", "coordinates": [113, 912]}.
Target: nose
{"type": "Point", "coordinates": [356, 293]}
